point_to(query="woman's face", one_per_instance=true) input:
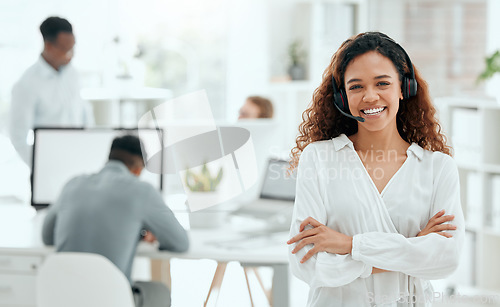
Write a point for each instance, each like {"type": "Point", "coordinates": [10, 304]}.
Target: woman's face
{"type": "Point", "coordinates": [249, 110]}
{"type": "Point", "coordinates": [373, 90]}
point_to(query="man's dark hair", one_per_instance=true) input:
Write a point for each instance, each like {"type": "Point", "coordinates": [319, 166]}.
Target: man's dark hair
{"type": "Point", "coordinates": [127, 149]}
{"type": "Point", "coordinates": [52, 26]}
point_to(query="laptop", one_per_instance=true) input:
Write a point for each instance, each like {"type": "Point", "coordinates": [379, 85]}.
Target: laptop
{"type": "Point", "coordinates": [277, 196]}
{"type": "Point", "coordinates": [60, 154]}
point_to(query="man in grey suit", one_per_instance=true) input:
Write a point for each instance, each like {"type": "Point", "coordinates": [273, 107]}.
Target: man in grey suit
{"type": "Point", "coordinates": [104, 213]}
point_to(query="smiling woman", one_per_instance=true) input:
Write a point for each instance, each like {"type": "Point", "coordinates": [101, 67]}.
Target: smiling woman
{"type": "Point", "coordinates": [376, 186]}
{"type": "Point", "coordinates": [373, 90]}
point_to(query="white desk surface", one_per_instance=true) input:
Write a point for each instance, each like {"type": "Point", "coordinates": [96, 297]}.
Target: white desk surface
{"type": "Point", "coordinates": [20, 234]}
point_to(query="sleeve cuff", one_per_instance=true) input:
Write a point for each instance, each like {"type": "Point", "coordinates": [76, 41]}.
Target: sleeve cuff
{"type": "Point", "coordinates": [356, 255]}
{"type": "Point", "coordinates": [356, 246]}
{"type": "Point", "coordinates": [367, 272]}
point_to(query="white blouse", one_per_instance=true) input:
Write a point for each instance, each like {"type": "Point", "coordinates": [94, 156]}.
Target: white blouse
{"type": "Point", "coordinates": [334, 187]}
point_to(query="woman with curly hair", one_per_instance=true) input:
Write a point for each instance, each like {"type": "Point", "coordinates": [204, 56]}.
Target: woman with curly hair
{"type": "Point", "coordinates": [376, 185]}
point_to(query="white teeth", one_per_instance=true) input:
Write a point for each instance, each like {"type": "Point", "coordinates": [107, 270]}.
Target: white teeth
{"type": "Point", "coordinates": [373, 111]}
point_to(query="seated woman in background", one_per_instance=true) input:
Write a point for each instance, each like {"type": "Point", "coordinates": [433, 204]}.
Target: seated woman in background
{"type": "Point", "coordinates": [256, 107]}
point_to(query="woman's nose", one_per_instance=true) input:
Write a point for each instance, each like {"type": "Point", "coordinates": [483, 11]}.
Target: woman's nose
{"type": "Point", "coordinates": [370, 95]}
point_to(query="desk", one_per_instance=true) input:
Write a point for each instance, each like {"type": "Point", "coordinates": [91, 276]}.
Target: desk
{"type": "Point", "coordinates": [22, 252]}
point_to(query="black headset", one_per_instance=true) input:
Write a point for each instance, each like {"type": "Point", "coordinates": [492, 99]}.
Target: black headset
{"type": "Point", "coordinates": [408, 87]}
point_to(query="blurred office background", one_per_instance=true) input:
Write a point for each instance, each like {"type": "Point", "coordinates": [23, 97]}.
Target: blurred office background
{"type": "Point", "coordinates": [233, 49]}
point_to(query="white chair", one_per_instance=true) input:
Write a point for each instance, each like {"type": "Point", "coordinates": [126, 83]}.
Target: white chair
{"type": "Point", "coordinates": [82, 280]}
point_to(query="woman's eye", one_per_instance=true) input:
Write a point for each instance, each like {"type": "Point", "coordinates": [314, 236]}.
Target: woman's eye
{"type": "Point", "coordinates": [383, 83]}
{"type": "Point", "coordinates": [355, 87]}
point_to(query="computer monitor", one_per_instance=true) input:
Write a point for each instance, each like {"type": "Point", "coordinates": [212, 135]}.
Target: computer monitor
{"type": "Point", "coordinates": [59, 154]}
{"type": "Point", "coordinates": [278, 183]}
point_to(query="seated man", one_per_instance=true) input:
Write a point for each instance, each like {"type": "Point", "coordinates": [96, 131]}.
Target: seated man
{"type": "Point", "coordinates": [104, 213]}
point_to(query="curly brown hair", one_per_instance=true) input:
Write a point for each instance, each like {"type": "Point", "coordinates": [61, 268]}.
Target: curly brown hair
{"type": "Point", "coordinates": [416, 118]}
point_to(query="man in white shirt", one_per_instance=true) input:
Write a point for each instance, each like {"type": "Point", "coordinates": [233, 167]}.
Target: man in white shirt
{"type": "Point", "coordinates": [48, 93]}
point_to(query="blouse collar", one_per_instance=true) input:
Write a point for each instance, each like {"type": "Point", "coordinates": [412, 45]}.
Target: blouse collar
{"type": "Point", "coordinates": [342, 141]}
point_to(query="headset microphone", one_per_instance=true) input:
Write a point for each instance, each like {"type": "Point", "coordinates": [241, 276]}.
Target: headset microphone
{"type": "Point", "coordinates": [340, 102]}
{"type": "Point", "coordinates": [358, 118]}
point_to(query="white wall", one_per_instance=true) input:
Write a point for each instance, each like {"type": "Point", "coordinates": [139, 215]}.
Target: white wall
{"type": "Point", "coordinates": [247, 53]}
{"type": "Point", "coordinates": [493, 44]}
{"type": "Point", "coordinates": [258, 34]}
{"type": "Point", "coordinates": [389, 19]}
{"type": "Point", "coordinates": [21, 42]}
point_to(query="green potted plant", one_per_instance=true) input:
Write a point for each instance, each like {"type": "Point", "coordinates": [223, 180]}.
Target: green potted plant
{"type": "Point", "coordinates": [202, 189]}
{"type": "Point", "coordinates": [492, 68]}
{"type": "Point", "coordinates": [203, 181]}
{"type": "Point", "coordinates": [297, 56]}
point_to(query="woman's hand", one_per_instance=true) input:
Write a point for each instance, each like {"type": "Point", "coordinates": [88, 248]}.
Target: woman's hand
{"type": "Point", "coordinates": [436, 225]}
{"type": "Point", "coordinates": [323, 238]}
{"type": "Point", "coordinates": [377, 270]}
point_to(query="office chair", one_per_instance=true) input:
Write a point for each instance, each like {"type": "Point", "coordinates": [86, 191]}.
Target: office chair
{"type": "Point", "coordinates": [82, 280]}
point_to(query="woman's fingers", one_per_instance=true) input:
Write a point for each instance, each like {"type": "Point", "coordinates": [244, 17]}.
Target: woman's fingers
{"type": "Point", "coordinates": [302, 243]}
{"type": "Point", "coordinates": [439, 228]}
{"type": "Point", "coordinates": [309, 221]}
{"type": "Point", "coordinates": [444, 219]}
{"type": "Point", "coordinates": [445, 234]}
{"type": "Point", "coordinates": [438, 223]}
{"type": "Point", "coordinates": [309, 254]}
{"type": "Point", "coordinates": [303, 234]}
{"type": "Point", "coordinates": [440, 220]}
{"type": "Point", "coordinates": [440, 213]}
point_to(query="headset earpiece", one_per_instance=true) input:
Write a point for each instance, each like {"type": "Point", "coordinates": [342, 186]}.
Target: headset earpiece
{"type": "Point", "coordinates": [340, 101]}
{"type": "Point", "coordinates": [405, 84]}
{"type": "Point", "coordinates": [413, 87]}
{"type": "Point", "coordinates": [409, 87]}
{"type": "Point", "coordinates": [409, 84]}
{"type": "Point", "coordinates": [339, 97]}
